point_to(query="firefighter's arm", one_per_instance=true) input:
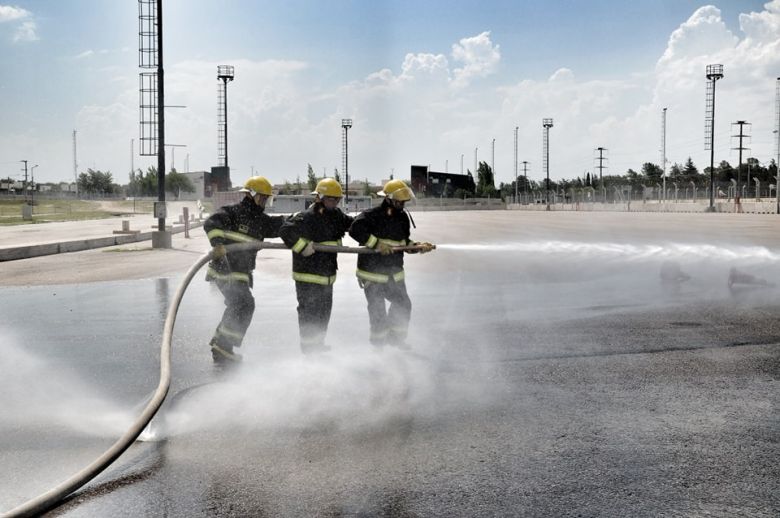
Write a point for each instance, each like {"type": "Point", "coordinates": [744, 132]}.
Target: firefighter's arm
{"type": "Point", "coordinates": [214, 227]}
{"type": "Point", "coordinates": [274, 224]}
{"type": "Point", "coordinates": [293, 235]}
{"type": "Point", "coordinates": [360, 231]}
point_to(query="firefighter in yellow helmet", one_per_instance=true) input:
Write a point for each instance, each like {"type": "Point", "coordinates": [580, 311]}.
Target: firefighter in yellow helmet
{"type": "Point", "coordinates": [315, 272]}
{"type": "Point", "coordinates": [244, 222]}
{"type": "Point", "coordinates": [382, 275]}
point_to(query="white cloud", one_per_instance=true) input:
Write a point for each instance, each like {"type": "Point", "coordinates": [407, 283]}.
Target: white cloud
{"type": "Point", "coordinates": [703, 34]}
{"type": "Point", "coordinates": [763, 27]}
{"type": "Point", "coordinates": [479, 57]}
{"type": "Point", "coordinates": [26, 30]}
{"type": "Point", "coordinates": [84, 54]}
{"type": "Point", "coordinates": [10, 13]}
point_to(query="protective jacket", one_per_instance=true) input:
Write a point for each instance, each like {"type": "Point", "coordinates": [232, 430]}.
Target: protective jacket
{"type": "Point", "coordinates": [243, 222]}
{"type": "Point", "coordinates": [382, 224]}
{"type": "Point", "coordinates": [318, 225]}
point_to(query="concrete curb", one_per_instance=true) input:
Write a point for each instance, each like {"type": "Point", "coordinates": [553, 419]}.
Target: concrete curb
{"type": "Point", "coordinates": [78, 245]}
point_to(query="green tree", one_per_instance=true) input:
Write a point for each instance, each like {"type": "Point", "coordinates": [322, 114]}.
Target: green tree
{"type": "Point", "coordinates": [311, 178]}
{"type": "Point", "coordinates": [690, 170]}
{"type": "Point", "coordinates": [485, 183]}
{"type": "Point", "coordinates": [96, 182]}
{"type": "Point", "coordinates": [652, 172]}
{"type": "Point", "coordinates": [336, 175]}
{"type": "Point", "coordinates": [176, 182]}
{"type": "Point", "coordinates": [676, 172]}
{"type": "Point", "coordinates": [724, 172]}
{"type": "Point", "coordinates": [143, 184]}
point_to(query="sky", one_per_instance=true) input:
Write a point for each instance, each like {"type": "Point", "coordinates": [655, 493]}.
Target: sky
{"type": "Point", "coordinates": [431, 83]}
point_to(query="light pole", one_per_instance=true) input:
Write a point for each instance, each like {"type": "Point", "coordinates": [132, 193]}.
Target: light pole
{"type": "Point", "coordinates": [547, 124]}
{"type": "Point", "coordinates": [493, 159]}
{"type": "Point", "coordinates": [346, 124]}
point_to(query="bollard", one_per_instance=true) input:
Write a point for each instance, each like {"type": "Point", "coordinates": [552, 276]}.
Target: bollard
{"type": "Point", "coordinates": [186, 218]}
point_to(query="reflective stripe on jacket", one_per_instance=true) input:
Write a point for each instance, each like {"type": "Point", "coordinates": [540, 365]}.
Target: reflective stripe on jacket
{"type": "Point", "coordinates": [380, 277]}
{"type": "Point", "coordinates": [383, 224]}
{"type": "Point", "coordinates": [320, 226]}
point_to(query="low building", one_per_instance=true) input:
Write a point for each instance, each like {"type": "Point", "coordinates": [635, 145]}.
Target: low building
{"type": "Point", "coordinates": [427, 183]}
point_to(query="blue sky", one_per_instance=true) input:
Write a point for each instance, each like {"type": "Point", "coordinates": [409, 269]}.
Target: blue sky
{"type": "Point", "coordinates": [425, 82]}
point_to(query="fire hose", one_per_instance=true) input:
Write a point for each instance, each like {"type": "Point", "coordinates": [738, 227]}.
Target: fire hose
{"type": "Point", "coordinates": [50, 498]}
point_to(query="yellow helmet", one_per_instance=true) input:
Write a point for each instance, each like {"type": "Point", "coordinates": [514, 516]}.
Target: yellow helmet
{"type": "Point", "coordinates": [397, 190]}
{"type": "Point", "coordinates": [258, 185]}
{"type": "Point", "coordinates": [329, 187]}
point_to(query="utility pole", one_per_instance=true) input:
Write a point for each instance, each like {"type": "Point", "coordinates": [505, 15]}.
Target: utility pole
{"type": "Point", "coordinates": [476, 164]}
{"type": "Point", "coordinates": [740, 148]}
{"type": "Point", "coordinates": [600, 167]}
{"type": "Point", "coordinates": [25, 179]}
{"type": "Point", "coordinates": [525, 176]}
{"type": "Point", "coordinates": [516, 128]}
{"type": "Point", "coordinates": [493, 159]}
{"type": "Point", "coordinates": [75, 166]}
{"type": "Point", "coordinates": [461, 163]}
{"type": "Point", "coordinates": [777, 143]}
{"type": "Point", "coordinates": [132, 156]}
{"type": "Point", "coordinates": [663, 150]}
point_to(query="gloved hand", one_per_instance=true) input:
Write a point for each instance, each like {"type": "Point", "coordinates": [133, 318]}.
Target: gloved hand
{"type": "Point", "coordinates": [384, 248]}
{"type": "Point", "coordinates": [426, 247]}
{"type": "Point", "coordinates": [308, 250]}
{"type": "Point", "coordinates": [218, 252]}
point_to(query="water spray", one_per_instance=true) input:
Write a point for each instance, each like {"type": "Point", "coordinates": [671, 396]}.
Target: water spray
{"type": "Point", "coordinates": [50, 498]}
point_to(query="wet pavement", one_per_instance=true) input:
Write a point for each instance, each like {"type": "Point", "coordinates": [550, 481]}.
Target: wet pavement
{"type": "Point", "coordinates": [553, 374]}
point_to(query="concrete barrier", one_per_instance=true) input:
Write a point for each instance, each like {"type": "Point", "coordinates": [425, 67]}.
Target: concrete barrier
{"type": "Point", "coordinates": [79, 245]}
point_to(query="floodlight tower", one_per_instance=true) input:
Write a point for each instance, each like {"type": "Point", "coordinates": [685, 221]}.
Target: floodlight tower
{"type": "Point", "coordinates": [547, 124]}
{"type": "Point", "coordinates": [345, 125]}
{"type": "Point", "coordinates": [152, 103]}
{"type": "Point", "coordinates": [714, 72]}
{"type": "Point", "coordinates": [224, 74]}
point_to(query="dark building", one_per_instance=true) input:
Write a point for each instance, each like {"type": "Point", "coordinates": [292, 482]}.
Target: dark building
{"type": "Point", "coordinates": [218, 180]}
{"type": "Point", "coordinates": [434, 184]}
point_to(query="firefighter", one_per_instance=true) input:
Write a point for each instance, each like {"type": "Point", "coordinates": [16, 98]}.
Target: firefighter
{"type": "Point", "coordinates": [315, 272]}
{"type": "Point", "coordinates": [244, 222]}
{"type": "Point", "coordinates": [381, 276]}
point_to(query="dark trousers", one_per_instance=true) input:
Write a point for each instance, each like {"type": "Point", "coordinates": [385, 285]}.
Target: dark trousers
{"type": "Point", "coordinates": [388, 325]}
{"type": "Point", "coordinates": [315, 302]}
{"type": "Point", "coordinates": [239, 309]}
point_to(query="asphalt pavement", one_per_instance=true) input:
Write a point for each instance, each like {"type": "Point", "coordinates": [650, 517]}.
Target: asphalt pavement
{"type": "Point", "coordinates": [553, 373]}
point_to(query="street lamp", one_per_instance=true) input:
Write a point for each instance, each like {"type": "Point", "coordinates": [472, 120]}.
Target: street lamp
{"type": "Point", "coordinates": [346, 124]}
{"type": "Point", "coordinates": [547, 123]}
